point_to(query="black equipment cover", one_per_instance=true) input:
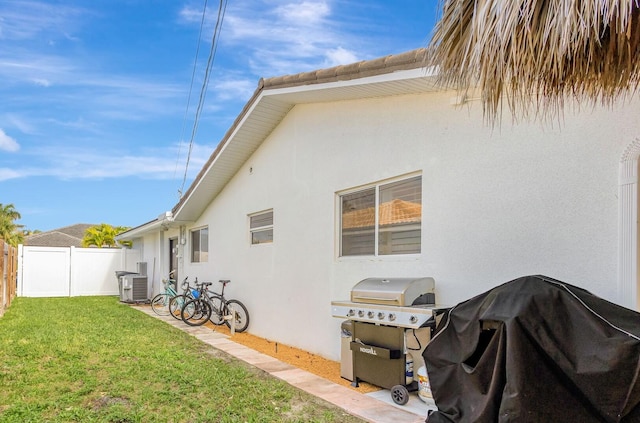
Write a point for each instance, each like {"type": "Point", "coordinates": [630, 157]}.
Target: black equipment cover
{"type": "Point", "coordinates": [536, 350]}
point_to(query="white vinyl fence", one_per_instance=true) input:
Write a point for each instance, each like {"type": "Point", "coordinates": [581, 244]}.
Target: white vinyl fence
{"type": "Point", "coordinates": [71, 271]}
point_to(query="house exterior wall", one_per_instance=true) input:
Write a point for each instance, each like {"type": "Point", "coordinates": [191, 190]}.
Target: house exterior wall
{"type": "Point", "coordinates": [498, 203]}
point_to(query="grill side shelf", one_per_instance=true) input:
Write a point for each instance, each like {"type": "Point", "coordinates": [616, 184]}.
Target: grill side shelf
{"type": "Point", "coordinates": [375, 351]}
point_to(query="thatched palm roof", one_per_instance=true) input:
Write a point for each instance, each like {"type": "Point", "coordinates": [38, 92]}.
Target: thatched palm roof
{"type": "Point", "coordinates": [535, 53]}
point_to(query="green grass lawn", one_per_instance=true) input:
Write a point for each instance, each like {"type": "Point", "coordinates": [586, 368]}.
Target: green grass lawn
{"type": "Point", "coordinates": [93, 359]}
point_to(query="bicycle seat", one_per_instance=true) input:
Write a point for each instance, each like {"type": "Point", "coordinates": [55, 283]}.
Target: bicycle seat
{"type": "Point", "coordinates": [224, 281]}
{"type": "Point", "coordinates": [206, 283]}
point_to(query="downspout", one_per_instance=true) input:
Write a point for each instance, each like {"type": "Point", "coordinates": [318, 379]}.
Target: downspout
{"type": "Point", "coordinates": [628, 227]}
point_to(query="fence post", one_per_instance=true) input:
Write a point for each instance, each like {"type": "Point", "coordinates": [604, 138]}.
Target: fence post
{"type": "Point", "coordinates": [72, 276]}
{"type": "Point", "coordinates": [3, 279]}
{"type": "Point", "coordinates": [8, 270]}
{"type": "Point", "coordinates": [13, 272]}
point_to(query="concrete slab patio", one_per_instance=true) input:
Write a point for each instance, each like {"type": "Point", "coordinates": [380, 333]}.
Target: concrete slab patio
{"type": "Point", "coordinates": [376, 407]}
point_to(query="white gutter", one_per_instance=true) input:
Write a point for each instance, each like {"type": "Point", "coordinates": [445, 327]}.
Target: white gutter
{"type": "Point", "coordinates": [163, 222]}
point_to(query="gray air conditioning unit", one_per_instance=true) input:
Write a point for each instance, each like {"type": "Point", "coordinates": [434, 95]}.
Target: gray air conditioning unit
{"type": "Point", "coordinates": [133, 286]}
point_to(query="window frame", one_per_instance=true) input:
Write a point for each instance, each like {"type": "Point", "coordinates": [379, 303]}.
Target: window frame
{"type": "Point", "coordinates": [201, 258]}
{"type": "Point", "coordinates": [261, 229]}
{"type": "Point", "coordinates": [377, 229]}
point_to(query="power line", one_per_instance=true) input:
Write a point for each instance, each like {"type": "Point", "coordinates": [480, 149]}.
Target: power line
{"type": "Point", "coordinates": [193, 75]}
{"type": "Point", "coordinates": [222, 7]}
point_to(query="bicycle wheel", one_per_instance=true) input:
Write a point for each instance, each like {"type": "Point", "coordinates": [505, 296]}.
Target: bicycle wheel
{"type": "Point", "coordinates": [196, 312]}
{"type": "Point", "coordinates": [176, 304]}
{"type": "Point", "coordinates": [160, 304]}
{"type": "Point", "coordinates": [237, 309]}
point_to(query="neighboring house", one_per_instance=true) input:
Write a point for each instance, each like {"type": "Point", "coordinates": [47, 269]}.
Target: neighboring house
{"type": "Point", "coordinates": [286, 205]}
{"type": "Point", "coordinates": [68, 236]}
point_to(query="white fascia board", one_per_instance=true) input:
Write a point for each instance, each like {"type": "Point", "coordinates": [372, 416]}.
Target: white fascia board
{"type": "Point", "coordinates": [418, 73]}
{"type": "Point", "coordinates": [138, 231]}
{"type": "Point", "coordinates": [220, 155]}
{"type": "Point", "coordinates": [163, 222]}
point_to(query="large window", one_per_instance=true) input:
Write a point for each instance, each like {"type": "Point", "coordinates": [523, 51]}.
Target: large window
{"type": "Point", "coordinates": [383, 219]}
{"type": "Point", "coordinates": [200, 245]}
{"type": "Point", "coordinates": [261, 227]}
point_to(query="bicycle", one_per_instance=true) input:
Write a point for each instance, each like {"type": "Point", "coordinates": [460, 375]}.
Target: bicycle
{"type": "Point", "coordinates": [216, 308]}
{"type": "Point", "coordinates": [177, 303]}
{"type": "Point", "coordinates": [197, 310]}
{"type": "Point", "coordinates": [160, 303]}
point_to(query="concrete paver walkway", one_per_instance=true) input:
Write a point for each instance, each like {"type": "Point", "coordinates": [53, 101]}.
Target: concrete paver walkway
{"type": "Point", "coordinates": [357, 404]}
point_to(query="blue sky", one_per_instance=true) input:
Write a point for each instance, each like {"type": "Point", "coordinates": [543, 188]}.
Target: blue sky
{"type": "Point", "coordinates": [96, 115]}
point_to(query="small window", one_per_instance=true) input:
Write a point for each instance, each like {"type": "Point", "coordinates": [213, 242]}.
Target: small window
{"type": "Point", "coordinates": [200, 245]}
{"type": "Point", "coordinates": [261, 227]}
{"type": "Point", "coordinates": [384, 219]}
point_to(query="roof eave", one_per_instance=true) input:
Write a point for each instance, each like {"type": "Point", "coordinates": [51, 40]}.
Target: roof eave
{"type": "Point", "coordinates": [161, 223]}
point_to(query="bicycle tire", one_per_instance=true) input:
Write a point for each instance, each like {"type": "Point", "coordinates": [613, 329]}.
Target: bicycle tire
{"type": "Point", "coordinates": [196, 312]}
{"type": "Point", "coordinates": [160, 304]}
{"type": "Point", "coordinates": [241, 315]}
{"type": "Point", "coordinates": [176, 304]}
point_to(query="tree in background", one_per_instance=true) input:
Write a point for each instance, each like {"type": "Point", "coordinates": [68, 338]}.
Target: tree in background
{"type": "Point", "coordinates": [29, 232]}
{"type": "Point", "coordinates": [10, 231]}
{"type": "Point", "coordinates": [103, 235]}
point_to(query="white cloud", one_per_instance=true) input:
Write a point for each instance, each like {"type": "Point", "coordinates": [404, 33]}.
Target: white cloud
{"type": "Point", "coordinates": [230, 89]}
{"type": "Point", "coordinates": [35, 68]}
{"type": "Point", "coordinates": [160, 164]}
{"type": "Point", "coordinates": [7, 143]}
{"type": "Point", "coordinates": [305, 13]}
{"type": "Point", "coordinates": [29, 19]}
{"type": "Point", "coordinates": [190, 14]}
{"type": "Point", "coordinates": [6, 174]}
{"type": "Point", "coordinates": [42, 82]}
{"type": "Point", "coordinates": [292, 37]}
{"type": "Point", "coordinates": [339, 56]}
{"type": "Point", "coordinates": [17, 121]}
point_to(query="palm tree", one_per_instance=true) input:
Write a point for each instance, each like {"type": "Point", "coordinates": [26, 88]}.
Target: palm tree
{"type": "Point", "coordinates": [9, 211]}
{"type": "Point", "coordinates": [103, 235]}
{"type": "Point", "coordinates": [119, 230]}
{"type": "Point", "coordinates": [9, 230]}
{"type": "Point", "coordinates": [536, 53]}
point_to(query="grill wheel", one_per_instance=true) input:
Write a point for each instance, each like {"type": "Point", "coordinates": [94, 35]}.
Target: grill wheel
{"type": "Point", "coordinates": [400, 394]}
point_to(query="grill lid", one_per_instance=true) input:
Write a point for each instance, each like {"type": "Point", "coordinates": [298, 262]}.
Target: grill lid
{"type": "Point", "coordinates": [391, 291]}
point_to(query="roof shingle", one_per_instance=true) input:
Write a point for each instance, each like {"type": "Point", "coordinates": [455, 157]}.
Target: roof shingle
{"type": "Point", "coordinates": [68, 236]}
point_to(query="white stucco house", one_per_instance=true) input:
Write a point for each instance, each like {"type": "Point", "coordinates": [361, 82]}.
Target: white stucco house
{"type": "Point", "coordinates": [285, 206]}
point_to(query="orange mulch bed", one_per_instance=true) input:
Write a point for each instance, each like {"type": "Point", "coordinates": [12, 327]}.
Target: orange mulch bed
{"type": "Point", "coordinates": [301, 359]}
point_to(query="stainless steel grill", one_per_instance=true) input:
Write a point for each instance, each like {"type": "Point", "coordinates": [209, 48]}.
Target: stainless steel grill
{"type": "Point", "coordinates": [392, 321]}
{"type": "Point", "coordinates": [401, 302]}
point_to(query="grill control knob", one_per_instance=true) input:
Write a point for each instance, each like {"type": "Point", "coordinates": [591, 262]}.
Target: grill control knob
{"type": "Point", "coordinates": [381, 315]}
{"type": "Point", "coordinates": [361, 313]}
{"type": "Point", "coordinates": [392, 317]}
{"type": "Point", "coordinates": [351, 312]}
{"type": "Point", "coordinates": [370, 314]}
{"type": "Point", "coordinates": [413, 319]}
